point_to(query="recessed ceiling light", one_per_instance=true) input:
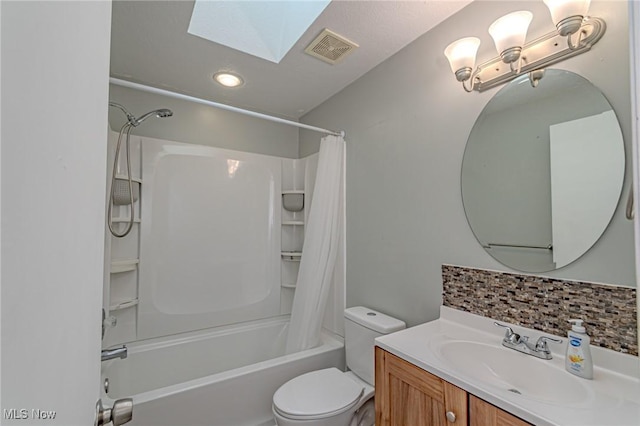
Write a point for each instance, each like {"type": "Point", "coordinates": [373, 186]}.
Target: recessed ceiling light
{"type": "Point", "coordinates": [228, 79]}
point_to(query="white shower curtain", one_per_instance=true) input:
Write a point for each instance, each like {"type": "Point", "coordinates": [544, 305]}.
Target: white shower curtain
{"type": "Point", "coordinates": [319, 250]}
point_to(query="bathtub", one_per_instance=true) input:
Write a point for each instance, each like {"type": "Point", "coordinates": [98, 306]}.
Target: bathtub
{"type": "Point", "coordinates": [221, 377]}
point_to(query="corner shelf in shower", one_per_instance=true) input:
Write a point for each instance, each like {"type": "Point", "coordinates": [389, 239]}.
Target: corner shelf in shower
{"type": "Point", "coordinates": [293, 204]}
{"type": "Point", "coordinates": [291, 256]}
{"type": "Point", "coordinates": [124, 220]}
{"type": "Point", "coordinates": [133, 179]}
{"type": "Point", "coordinates": [119, 266]}
{"type": "Point", "coordinates": [124, 305]}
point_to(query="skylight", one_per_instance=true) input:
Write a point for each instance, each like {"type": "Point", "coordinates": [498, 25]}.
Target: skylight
{"type": "Point", "coordinates": [266, 29]}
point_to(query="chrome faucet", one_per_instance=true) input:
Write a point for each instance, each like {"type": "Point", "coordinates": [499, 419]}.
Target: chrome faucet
{"type": "Point", "coordinates": [521, 343]}
{"type": "Point", "coordinates": [108, 354]}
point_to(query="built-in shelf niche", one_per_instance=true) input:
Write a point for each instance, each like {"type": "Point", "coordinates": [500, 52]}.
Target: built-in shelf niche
{"type": "Point", "coordinates": [291, 256]}
{"type": "Point", "coordinates": [125, 177]}
{"type": "Point", "coordinates": [293, 201]}
{"type": "Point", "coordinates": [292, 234]}
{"type": "Point", "coordinates": [126, 304]}
{"type": "Point", "coordinates": [122, 260]}
{"type": "Point", "coordinates": [293, 206]}
{"type": "Point", "coordinates": [119, 266]}
{"type": "Point", "coordinates": [124, 220]}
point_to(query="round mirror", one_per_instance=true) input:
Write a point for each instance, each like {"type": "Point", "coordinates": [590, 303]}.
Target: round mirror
{"type": "Point", "coordinates": [542, 171]}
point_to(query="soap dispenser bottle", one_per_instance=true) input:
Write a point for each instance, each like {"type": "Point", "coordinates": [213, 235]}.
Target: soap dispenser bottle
{"type": "Point", "coordinates": [578, 360]}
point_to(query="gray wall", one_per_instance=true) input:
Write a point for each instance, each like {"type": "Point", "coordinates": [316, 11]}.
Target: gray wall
{"type": "Point", "coordinates": [407, 123]}
{"type": "Point", "coordinates": [200, 124]}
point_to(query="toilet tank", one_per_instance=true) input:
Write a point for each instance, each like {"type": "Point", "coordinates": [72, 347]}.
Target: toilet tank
{"type": "Point", "coordinates": [362, 325]}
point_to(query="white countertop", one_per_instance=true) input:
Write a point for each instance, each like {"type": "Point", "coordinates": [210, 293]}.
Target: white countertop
{"type": "Point", "coordinates": [612, 398]}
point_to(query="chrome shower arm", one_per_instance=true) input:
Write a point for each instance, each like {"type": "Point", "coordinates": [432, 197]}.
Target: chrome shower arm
{"type": "Point", "coordinates": [130, 117]}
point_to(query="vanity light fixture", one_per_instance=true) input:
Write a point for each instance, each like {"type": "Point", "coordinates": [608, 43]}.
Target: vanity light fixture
{"type": "Point", "coordinates": [228, 79]}
{"type": "Point", "coordinates": [509, 33]}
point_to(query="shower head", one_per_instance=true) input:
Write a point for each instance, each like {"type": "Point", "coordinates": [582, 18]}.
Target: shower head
{"type": "Point", "coordinates": [160, 113]}
{"type": "Point", "coordinates": [135, 122]}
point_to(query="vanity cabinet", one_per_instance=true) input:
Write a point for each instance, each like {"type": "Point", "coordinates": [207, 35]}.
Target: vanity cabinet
{"type": "Point", "coordinates": [407, 395]}
{"type": "Point", "coordinates": [481, 413]}
{"type": "Point", "coordinates": [410, 396]}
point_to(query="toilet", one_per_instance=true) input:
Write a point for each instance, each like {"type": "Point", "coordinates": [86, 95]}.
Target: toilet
{"type": "Point", "coordinates": [331, 397]}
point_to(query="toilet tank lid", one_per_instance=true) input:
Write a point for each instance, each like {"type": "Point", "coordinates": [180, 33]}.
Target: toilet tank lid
{"type": "Point", "coordinates": [374, 320]}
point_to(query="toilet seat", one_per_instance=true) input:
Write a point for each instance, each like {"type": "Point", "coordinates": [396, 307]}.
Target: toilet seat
{"type": "Point", "coordinates": [316, 395]}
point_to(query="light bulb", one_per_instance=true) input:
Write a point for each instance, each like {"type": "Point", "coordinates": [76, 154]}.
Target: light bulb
{"type": "Point", "coordinates": [228, 80]}
{"type": "Point", "coordinates": [509, 33]}
{"type": "Point", "coordinates": [567, 15]}
{"type": "Point", "coordinates": [462, 56]}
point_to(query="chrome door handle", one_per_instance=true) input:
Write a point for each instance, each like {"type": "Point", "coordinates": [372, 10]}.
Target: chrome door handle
{"type": "Point", "coordinates": [119, 414]}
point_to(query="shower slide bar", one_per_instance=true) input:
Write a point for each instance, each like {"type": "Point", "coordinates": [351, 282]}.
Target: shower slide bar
{"type": "Point", "coordinates": [491, 245]}
{"type": "Point", "coordinates": [131, 85]}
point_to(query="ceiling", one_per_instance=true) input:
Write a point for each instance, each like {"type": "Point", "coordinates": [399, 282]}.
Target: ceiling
{"type": "Point", "coordinates": [150, 45]}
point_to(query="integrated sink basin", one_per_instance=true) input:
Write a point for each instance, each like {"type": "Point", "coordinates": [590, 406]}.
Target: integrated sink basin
{"type": "Point", "coordinates": [512, 371]}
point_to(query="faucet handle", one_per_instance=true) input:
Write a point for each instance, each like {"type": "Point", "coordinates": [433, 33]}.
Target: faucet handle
{"type": "Point", "coordinates": [509, 335]}
{"type": "Point", "coordinates": [541, 344]}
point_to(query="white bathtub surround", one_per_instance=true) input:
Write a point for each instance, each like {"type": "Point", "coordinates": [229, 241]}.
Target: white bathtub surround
{"type": "Point", "coordinates": [203, 268]}
{"type": "Point", "coordinates": [193, 189]}
{"type": "Point", "coordinates": [210, 240]}
{"type": "Point", "coordinates": [320, 248]}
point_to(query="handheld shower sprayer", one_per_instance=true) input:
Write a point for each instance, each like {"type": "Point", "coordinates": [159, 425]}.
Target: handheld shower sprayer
{"type": "Point", "coordinates": [132, 122]}
{"type": "Point", "coordinates": [160, 113]}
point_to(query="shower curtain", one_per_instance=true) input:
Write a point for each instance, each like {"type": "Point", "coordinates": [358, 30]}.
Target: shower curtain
{"type": "Point", "coordinates": [320, 248]}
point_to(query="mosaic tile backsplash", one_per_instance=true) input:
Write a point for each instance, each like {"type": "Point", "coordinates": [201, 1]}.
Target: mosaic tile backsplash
{"type": "Point", "coordinates": [546, 304]}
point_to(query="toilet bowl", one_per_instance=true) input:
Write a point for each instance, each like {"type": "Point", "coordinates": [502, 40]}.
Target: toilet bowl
{"type": "Point", "coordinates": [331, 397]}
{"type": "Point", "coordinates": [326, 397]}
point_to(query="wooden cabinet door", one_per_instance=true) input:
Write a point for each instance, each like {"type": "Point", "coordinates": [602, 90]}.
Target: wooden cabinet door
{"type": "Point", "coordinates": [481, 413]}
{"type": "Point", "coordinates": [406, 395]}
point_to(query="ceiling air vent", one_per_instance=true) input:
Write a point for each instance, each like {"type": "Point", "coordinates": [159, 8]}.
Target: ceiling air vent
{"type": "Point", "coordinates": [330, 47]}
